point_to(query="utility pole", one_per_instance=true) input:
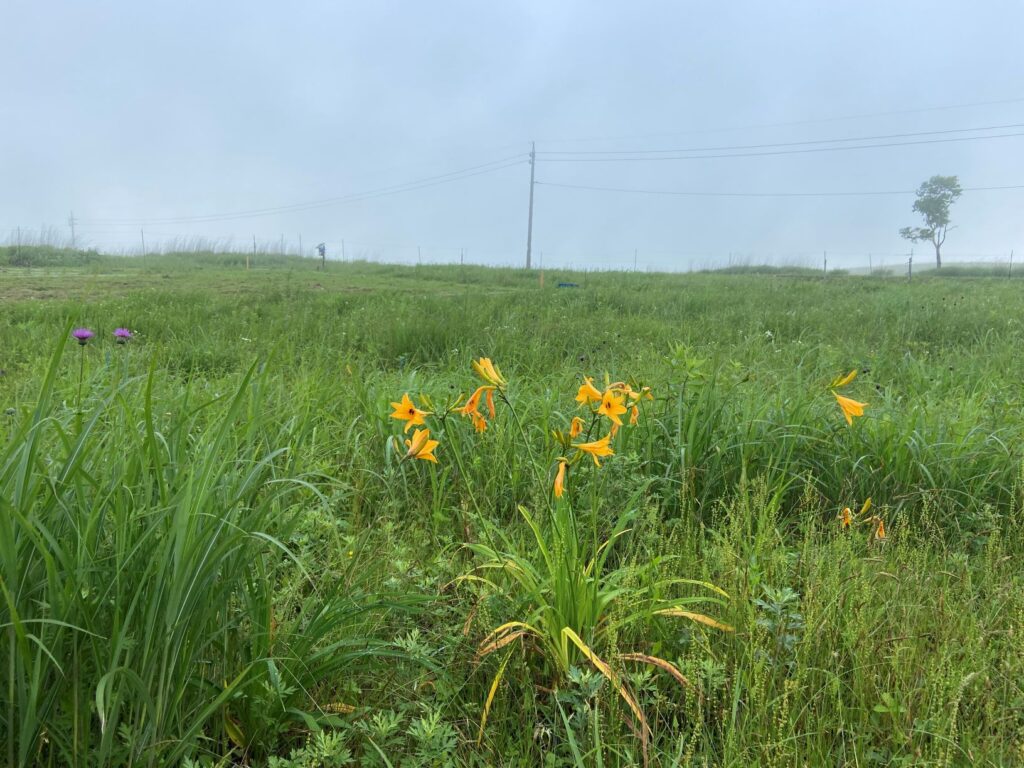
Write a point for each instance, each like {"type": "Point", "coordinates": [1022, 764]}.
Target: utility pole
{"type": "Point", "coordinates": [1009, 272]}
{"type": "Point", "coordinates": [17, 250]}
{"type": "Point", "coordinates": [825, 267]}
{"type": "Point", "coordinates": [419, 256]}
{"type": "Point", "coordinates": [300, 244]}
{"type": "Point", "coordinates": [142, 234]}
{"type": "Point", "coordinates": [529, 221]}
{"type": "Point", "coordinates": [910, 265]}
{"type": "Point", "coordinates": [247, 264]}
{"type": "Point", "coordinates": [71, 223]}
{"type": "Point", "coordinates": [281, 249]}
{"type": "Point", "coordinates": [871, 271]}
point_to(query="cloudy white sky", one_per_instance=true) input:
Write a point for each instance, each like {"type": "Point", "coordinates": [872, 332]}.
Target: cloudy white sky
{"type": "Point", "coordinates": [180, 118]}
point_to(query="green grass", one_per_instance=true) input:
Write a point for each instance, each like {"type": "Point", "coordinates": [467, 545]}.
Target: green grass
{"type": "Point", "coordinates": [212, 553]}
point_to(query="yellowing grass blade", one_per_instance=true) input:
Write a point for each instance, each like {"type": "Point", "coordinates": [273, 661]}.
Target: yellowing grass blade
{"type": "Point", "coordinates": [704, 584]}
{"type": "Point", "coordinates": [471, 577]}
{"type": "Point", "coordinates": [469, 619]}
{"type": "Point", "coordinates": [502, 636]}
{"type": "Point", "coordinates": [698, 617]}
{"type": "Point", "coordinates": [654, 661]}
{"type": "Point", "coordinates": [501, 642]}
{"type": "Point", "coordinates": [590, 565]}
{"type": "Point", "coordinates": [490, 697]}
{"type": "Point", "coordinates": [507, 626]}
{"type": "Point", "coordinates": [605, 670]}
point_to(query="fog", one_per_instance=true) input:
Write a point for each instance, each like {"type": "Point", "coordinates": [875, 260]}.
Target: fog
{"type": "Point", "coordinates": [228, 121]}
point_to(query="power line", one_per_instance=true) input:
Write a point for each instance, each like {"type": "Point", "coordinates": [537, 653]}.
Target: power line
{"type": "Point", "coordinates": [674, 193]}
{"type": "Point", "coordinates": [776, 152]}
{"type": "Point", "coordinates": [785, 143]}
{"type": "Point", "coordinates": [809, 121]}
{"type": "Point", "coordinates": [355, 197]}
{"type": "Point", "coordinates": [500, 164]}
{"type": "Point", "coordinates": [430, 181]}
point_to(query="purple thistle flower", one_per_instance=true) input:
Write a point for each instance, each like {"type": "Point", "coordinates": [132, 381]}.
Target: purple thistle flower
{"type": "Point", "coordinates": [82, 335]}
{"type": "Point", "coordinates": [121, 335]}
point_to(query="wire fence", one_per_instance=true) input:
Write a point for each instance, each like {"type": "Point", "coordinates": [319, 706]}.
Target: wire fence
{"type": "Point", "coordinates": [803, 262]}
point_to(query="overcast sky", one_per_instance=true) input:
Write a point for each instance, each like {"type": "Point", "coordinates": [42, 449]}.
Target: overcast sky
{"type": "Point", "coordinates": [131, 112]}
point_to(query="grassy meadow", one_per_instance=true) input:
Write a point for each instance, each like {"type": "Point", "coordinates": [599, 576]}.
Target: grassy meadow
{"type": "Point", "coordinates": [215, 549]}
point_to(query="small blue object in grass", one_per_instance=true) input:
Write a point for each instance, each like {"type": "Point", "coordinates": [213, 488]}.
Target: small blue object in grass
{"type": "Point", "coordinates": [568, 285]}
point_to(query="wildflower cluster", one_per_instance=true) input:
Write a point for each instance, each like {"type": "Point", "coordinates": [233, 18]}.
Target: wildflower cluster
{"type": "Point", "coordinates": [607, 409]}
{"type": "Point", "coordinates": [616, 400]}
{"type": "Point", "coordinates": [83, 335]}
{"type": "Point", "coordinates": [421, 446]}
{"type": "Point", "coordinates": [493, 380]}
{"type": "Point", "coordinates": [847, 520]}
{"type": "Point", "coordinates": [849, 406]}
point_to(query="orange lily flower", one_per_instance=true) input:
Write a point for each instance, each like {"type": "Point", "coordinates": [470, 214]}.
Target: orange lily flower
{"type": "Point", "coordinates": [473, 403]}
{"type": "Point", "coordinates": [588, 393]}
{"type": "Point", "coordinates": [576, 427]}
{"type": "Point", "coordinates": [408, 412]}
{"type": "Point", "coordinates": [634, 416]}
{"type": "Point", "coordinates": [421, 446]}
{"type": "Point", "coordinates": [846, 518]}
{"type": "Point", "coordinates": [489, 372]}
{"type": "Point", "coordinates": [472, 407]}
{"type": "Point", "coordinates": [849, 407]}
{"type": "Point", "coordinates": [611, 406]}
{"type": "Point", "coordinates": [597, 448]}
{"type": "Point", "coordinates": [560, 479]}
{"type": "Point", "coordinates": [644, 392]}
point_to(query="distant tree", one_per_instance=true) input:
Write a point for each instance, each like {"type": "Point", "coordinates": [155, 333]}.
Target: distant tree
{"type": "Point", "coordinates": [934, 197]}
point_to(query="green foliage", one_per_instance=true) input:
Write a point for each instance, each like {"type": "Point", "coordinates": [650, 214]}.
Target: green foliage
{"type": "Point", "coordinates": [210, 555]}
{"type": "Point", "coordinates": [143, 553]}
